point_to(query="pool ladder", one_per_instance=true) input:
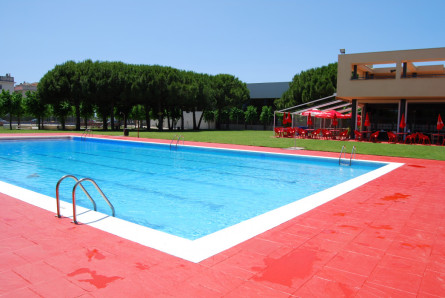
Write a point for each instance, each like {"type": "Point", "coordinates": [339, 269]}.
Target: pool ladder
{"type": "Point", "coordinates": [343, 156]}
{"type": "Point", "coordinates": [79, 183]}
{"type": "Point", "coordinates": [178, 139]}
{"type": "Point", "coordinates": [86, 133]}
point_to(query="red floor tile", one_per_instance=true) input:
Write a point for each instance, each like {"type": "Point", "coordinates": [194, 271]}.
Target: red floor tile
{"type": "Point", "coordinates": [384, 239]}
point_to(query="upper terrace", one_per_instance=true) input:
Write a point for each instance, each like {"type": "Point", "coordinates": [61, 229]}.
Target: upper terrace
{"type": "Point", "coordinates": [409, 74]}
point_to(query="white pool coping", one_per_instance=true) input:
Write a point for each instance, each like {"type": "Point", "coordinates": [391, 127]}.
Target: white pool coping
{"type": "Point", "coordinates": [207, 246]}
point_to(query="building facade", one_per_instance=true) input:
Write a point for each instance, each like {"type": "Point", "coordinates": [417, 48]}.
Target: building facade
{"type": "Point", "coordinates": [387, 85]}
{"type": "Point", "coordinates": [24, 87]}
{"type": "Point", "coordinates": [7, 83]}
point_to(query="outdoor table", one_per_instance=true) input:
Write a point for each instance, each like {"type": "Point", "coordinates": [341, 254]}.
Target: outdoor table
{"type": "Point", "coordinates": [401, 136]}
{"type": "Point", "coordinates": [438, 136]}
{"type": "Point", "coordinates": [309, 132]}
{"type": "Point", "coordinates": [334, 133]}
{"type": "Point", "coordinates": [365, 134]}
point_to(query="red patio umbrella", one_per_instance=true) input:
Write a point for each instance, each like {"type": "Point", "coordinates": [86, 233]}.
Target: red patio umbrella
{"type": "Point", "coordinates": [439, 123]}
{"type": "Point", "coordinates": [284, 118]}
{"type": "Point", "coordinates": [289, 118]}
{"type": "Point", "coordinates": [313, 112]}
{"type": "Point", "coordinates": [309, 120]}
{"type": "Point", "coordinates": [367, 122]}
{"type": "Point", "coordinates": [402, 124]}
{"type": "Point", "coordinates": [359, 120]}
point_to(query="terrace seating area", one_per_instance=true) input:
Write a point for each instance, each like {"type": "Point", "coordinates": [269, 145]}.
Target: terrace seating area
{"type": "Point", "coordinates": [418, 138]}
{"type": "Point", "coordinates": [305, 133]}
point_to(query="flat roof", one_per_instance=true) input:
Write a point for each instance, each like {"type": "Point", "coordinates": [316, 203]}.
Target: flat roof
{"type": "Point", "coordinates": [267, 90]}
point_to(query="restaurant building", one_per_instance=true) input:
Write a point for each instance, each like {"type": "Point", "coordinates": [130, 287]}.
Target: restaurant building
{"type": "Point", "coordinates": [387, 85]}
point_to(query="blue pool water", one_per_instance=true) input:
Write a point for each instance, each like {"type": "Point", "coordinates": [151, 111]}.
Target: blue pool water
{"type": "Point", "coordinates": [189, 192]}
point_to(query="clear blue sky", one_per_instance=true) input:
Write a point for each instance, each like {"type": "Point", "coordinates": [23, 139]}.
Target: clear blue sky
{"type": "Point", "coordinates": [255, 40]}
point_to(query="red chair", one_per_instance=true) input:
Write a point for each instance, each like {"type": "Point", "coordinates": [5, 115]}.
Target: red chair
{"type": "Point", "coordinates": [316, 134]}
{"type": "Point", "coordinates": [278, 132]}
{"type": "Point", "coordinates": [343, 135]}
{"type": "Point", "coordinates": [290, 132]}
{"type": "Point", "coordinates": [424, 139]}
{"type": "Point", "coordinates": [302, 133]}
{"type": "Point", "coordinates": [374, 137]}
{"type": "Point", "coordinates": [411, 139]}
{"type": "Point", "coordinates": [392, 137]}
{"type": "Point", "coordinates": [326, 134]}
{"type": "Point", "coordinates": [358, 135]}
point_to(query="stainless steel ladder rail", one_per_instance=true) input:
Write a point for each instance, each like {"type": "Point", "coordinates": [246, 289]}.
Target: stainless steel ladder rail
{"type": "Point", "coordinates": [97, 187]}
{"type": "Point", "coordinates": [83, 188]}
{"type": "Point", "coordinates": [178, 139]}
{"type": "Point", "coordinates": [343, 154]}
{"type": "Point", "coordinates": [86, 133]}
{"type": "Point", "coordinates": [352, 154]}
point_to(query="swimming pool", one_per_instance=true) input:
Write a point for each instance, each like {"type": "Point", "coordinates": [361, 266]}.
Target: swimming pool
{"type": "Point", "coordinates": [191, 193]}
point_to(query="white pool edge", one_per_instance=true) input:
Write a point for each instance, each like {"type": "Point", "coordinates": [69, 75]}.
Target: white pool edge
{"type": "Point", "coordinates": [207, 246]}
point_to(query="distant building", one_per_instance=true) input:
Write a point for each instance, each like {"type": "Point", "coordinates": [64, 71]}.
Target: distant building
{"type": "Point", "coordinates": [7, 83]}
{"type": "Point", "coordinates": [264, 94]}
{"type": "Point", "coordinates": [23, 87]}
{"type": "Point", "coordinates": [392, 84]}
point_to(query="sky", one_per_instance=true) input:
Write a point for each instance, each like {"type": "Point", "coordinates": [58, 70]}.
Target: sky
{"type": "Point", "coordinates": [255, 40]}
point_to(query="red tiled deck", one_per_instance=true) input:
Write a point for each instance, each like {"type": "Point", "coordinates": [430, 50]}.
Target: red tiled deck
{"type": "Point", "coordinates": [384, 239]}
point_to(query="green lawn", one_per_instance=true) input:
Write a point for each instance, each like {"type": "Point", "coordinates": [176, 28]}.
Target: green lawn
{"type": "Point", "coordinates": [266, 139]}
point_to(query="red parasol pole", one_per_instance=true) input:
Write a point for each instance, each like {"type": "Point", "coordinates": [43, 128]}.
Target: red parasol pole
{"type": "Point", "coordinates": [309, 120]}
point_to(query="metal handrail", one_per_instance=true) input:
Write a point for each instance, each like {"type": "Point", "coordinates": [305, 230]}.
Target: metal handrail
{"type": "Point", "coordinates": [352, 154]}
{"type": "Point", "coordinates": [86, 133]}
{"type": "Point", "coordinates": [174, 138]}
{"type": "Point", "coordinates": [343, 154]}
{"type": "Point", "coordinates": [97, 187]}
{"type": "Point", "coordinates": [83, 188]}
{"type": "Point", "coordinates": [178, 139]}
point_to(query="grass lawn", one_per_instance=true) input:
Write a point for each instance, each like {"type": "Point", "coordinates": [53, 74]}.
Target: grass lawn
{"type": "Point", "coordinates": [266, 139]}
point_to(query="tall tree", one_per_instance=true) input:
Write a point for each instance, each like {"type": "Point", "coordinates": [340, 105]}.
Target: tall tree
{"type": "Point", "coordinates": [34, 106]}
{"type": "Point", "coordinates": [229, 91]}
{"type": "Point", "coordinates": [309, 85]}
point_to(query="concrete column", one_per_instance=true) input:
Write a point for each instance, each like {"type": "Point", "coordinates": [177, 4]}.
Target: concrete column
{"type": "Point", "coordinates": [353, 124]}
{"type": "Point", "coordinates": [398, 70]}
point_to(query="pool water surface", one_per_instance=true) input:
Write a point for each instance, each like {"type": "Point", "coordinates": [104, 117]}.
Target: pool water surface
{"type": "Point", "coordinates": [185, 191]}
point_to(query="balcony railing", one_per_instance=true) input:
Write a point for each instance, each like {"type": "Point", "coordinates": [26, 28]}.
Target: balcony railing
{"type": "Point", "coordinates": [6, 79]}
{"type": "Point", "coordinates": [393, 77]}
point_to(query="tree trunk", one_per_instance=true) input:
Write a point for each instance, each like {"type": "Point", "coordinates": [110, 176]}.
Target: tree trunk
{"type": "Point", "coordinates": [62, 120]}
{"type": "Point", "coordinates": [200, 119]}
{"type": "Point", "coordinates": [112, 117]}
{"type": "Point", "coordinates": [147, 116]}
{"type": "Point", "coordinates": [104, 122]}
{"type": "Point", "coordinates": [168, 122]}
{"type": "Point", "coordinates": [182, 120]}
{"type": "Point", "coordinates": [10, 121]}
{"type": "Point", "coordinates": [160, 117]}
{"type": "Point", "coordinates": [218, 120]}
{"type": "Point", "coordinates": [194, 120]}
{"type": "Point", "coordinates": [77, 116]}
